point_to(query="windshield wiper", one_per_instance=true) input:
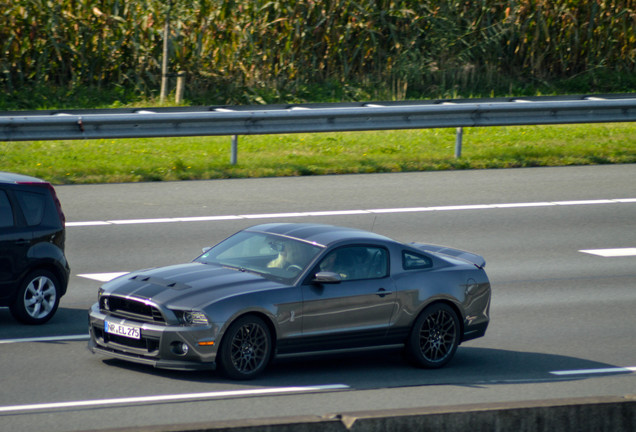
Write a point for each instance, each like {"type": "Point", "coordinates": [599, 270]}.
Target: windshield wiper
{"type": "Point", "coordinates": [231, 267]}
{"type": "Point", "coordinates": [242, 269]}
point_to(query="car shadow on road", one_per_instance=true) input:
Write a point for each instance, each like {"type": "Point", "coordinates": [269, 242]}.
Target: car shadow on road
{"type": "Point", "coordinates": [472, 367]}
{"type": "Point", "coordinates": [66, 321]}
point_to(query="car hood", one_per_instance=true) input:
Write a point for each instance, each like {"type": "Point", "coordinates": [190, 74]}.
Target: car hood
{"type": "Point", "coordinates": [192, 285]}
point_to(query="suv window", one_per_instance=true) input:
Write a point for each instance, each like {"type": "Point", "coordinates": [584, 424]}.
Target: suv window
{"type": "Point", "coordinates": [32, 206]}
{"type": "Point", "coordinates": [6, 213]}
{"type": "Point", "coordinates": [415, 261]}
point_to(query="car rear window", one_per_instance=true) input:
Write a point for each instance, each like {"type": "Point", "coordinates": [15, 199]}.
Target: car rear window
{"type": "Point", "coordinates": [6, 213]}
{"type": "Point", "coordinates": [415, 261]}
{"type": "Point", "coordinates": [32, 205]}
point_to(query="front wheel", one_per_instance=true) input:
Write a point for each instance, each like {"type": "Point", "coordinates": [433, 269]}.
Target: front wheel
{"type": "Point", "coordinates": [435, 336]}
{"type": "Point", "coordinates": [37, 299]}
{"type": "Point", "coordinates": [245, 349]}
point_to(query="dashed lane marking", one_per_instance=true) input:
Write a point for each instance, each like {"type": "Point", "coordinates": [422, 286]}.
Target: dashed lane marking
{"type": "Point", "coordinates": [611, 253]}
{"type": "Point", "coordinates": [595, 371]}
{"type": "Point", "coordinates": [102, 277]}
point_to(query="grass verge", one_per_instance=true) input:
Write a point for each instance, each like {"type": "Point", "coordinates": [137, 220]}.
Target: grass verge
{"type": "Point", "coordinates": [164, 159]}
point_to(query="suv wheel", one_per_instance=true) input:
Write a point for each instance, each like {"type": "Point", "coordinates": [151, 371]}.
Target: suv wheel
{"type": "Point", "coordinates": [37, 299]}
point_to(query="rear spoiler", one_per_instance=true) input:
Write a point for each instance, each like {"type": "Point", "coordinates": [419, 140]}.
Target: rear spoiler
{"type": "Point", "coordinates": [476, 260]}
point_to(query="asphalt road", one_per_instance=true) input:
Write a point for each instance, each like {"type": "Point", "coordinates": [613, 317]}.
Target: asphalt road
{"type": "Point", "coordinates": [563, 321]}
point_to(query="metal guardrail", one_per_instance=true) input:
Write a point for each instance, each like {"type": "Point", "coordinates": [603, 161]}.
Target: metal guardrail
{"type": "Point", "coordinates": [283, 119]}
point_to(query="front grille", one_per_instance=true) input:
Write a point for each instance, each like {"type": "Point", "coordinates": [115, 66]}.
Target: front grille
{"type": "Point", "coordinates": [128, 308]}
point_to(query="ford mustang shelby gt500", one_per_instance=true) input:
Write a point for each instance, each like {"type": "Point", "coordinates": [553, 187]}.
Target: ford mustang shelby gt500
{"type": "Point", "coordinates": [283, 289]}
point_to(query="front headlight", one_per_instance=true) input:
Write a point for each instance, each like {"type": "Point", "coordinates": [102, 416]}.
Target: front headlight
{"type": "Point", "coordinates": [103, 300]}
{"type": "Point", "coordinates": [192, 318]}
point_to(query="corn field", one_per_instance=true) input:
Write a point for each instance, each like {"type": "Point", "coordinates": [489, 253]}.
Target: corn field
{"type": "Point", "coordinates": [260, 51]}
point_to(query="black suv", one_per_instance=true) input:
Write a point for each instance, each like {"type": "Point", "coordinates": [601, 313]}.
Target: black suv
{"type": "Point", "coordinates": [34, 272]}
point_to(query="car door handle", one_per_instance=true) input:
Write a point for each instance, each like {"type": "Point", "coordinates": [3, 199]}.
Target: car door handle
{"type": "Point", "coordinates": [22, 242]}
{"type": "Point", "coordinates": [382, 292]}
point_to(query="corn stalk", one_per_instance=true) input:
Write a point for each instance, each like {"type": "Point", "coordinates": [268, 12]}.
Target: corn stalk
{"type": "Point", "coordinates": [254, 51]}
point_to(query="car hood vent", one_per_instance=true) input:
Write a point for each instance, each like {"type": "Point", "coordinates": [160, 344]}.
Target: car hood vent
{"type": "Point", "coordinates": [160, 282]}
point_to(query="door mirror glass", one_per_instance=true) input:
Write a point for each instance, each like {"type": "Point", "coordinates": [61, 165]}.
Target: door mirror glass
{"type": "Point", "coordinates": [326, 277]}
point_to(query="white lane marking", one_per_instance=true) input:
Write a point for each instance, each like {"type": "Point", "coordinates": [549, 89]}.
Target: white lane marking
{"type": "Point", "coordinates": [45, 339]}
{"type": "Point", "coordinates": [102, 277]}
{"type": "Point", "coordinates": [351, 212]}
{"type": "Point", "coordinates": [611, 253]}
{"type": "Point", "coordinates": [595, 371]}
{"type": "Point", "coordinates": [521, 205]}
{"type": "Point", "coordinates": [172, 398]}
{"type": "Point", "coordinates": [88, 223]}
{"type": "Point", "coordinates": [207, 218]}
{"type": "Point", "coordinates": [142, 221]}
{"type": "Point", "coordinates": [586, 202]}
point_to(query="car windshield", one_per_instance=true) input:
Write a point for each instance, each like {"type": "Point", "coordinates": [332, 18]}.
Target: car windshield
{"type": "Point", "coordinates": [270, 255]}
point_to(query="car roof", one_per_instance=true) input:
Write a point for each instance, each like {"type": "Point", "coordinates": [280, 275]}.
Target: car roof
{"type": "Point", "coordinates": [7, 177]}
{"type": "Point", "coordinates": [318, 233]}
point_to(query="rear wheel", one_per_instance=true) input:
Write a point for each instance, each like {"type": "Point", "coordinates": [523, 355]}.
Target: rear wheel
{"type": "Point", "coordinates": [245, 349]}
{"type": "Point", "coordinates": [435, 336]}
{"type": "Point", "coordinates": [37, 299]}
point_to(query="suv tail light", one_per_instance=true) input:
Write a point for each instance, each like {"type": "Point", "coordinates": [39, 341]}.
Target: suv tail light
{"type": "Point", "coordinates": [51, 189]}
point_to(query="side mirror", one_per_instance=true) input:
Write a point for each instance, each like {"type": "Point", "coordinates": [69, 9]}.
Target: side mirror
{"type": "Point", "coordinates": [327, 278]}
{"type": "Point", "coordinates": [205, 249]}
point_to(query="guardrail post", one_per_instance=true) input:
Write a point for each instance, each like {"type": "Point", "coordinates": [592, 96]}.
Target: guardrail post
{"type": "Point", "coordinates": [234, 156]}
{"type": "Point", "coordinates": [458, 142]}
{"type": "Point", "coordinates": [180, 87]}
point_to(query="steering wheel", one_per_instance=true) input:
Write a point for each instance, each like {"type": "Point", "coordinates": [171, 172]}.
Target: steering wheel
{"type": "Point", "coordinates": [293, 267]}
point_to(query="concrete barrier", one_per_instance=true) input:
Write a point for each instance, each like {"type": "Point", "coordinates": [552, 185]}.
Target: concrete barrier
{"type": "Point", "coordinates": [592, 414]}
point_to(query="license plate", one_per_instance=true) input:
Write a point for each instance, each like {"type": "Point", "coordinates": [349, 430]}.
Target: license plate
{"type": "Point", "coordinates": [122, 330]}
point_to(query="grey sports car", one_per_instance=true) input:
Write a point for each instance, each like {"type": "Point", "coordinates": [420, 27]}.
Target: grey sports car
{"type": "Point", "coordinates": [282, 290]}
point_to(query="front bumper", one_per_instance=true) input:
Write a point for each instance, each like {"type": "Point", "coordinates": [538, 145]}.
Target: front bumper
{"type": "Point", "coordinates": [157, 344]}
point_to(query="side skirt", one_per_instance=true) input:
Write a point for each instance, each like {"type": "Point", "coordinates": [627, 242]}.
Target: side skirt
{"type": "Point", "coordinates": [340, 351]}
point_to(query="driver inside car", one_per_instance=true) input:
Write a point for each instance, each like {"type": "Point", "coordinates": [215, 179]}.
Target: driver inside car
{"type": "Point", "coordinates": [289, 255]}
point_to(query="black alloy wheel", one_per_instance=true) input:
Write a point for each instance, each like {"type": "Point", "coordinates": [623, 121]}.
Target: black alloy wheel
{"type": "Point", "coordinates": [37, 299]}
{"type": "Point", "coordinates": [246, 348]}
{"type": "Point", "coordinates": [435, 336]}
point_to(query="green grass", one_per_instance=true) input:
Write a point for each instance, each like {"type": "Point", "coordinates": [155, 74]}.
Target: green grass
{"type": "Point", "coordinates": [162, 159]}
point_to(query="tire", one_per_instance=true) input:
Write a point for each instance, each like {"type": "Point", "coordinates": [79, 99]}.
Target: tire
{"type": "Point", "coordinates": [434, 337]}
{"type": "Point", "coordinates": [246, 349]}
{"type": "Point", "coordinates": [37, 299]}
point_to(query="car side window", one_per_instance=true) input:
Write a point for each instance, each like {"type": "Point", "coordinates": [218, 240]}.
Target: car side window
{"type": "Point", "coordinates": [32, 205]}
{"type": "Point", "coordinates": [6, 213]}
{"type": "Point", "coordinates": [357, 262]}
{"type": "Point", "coordinates": [415, 261]}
